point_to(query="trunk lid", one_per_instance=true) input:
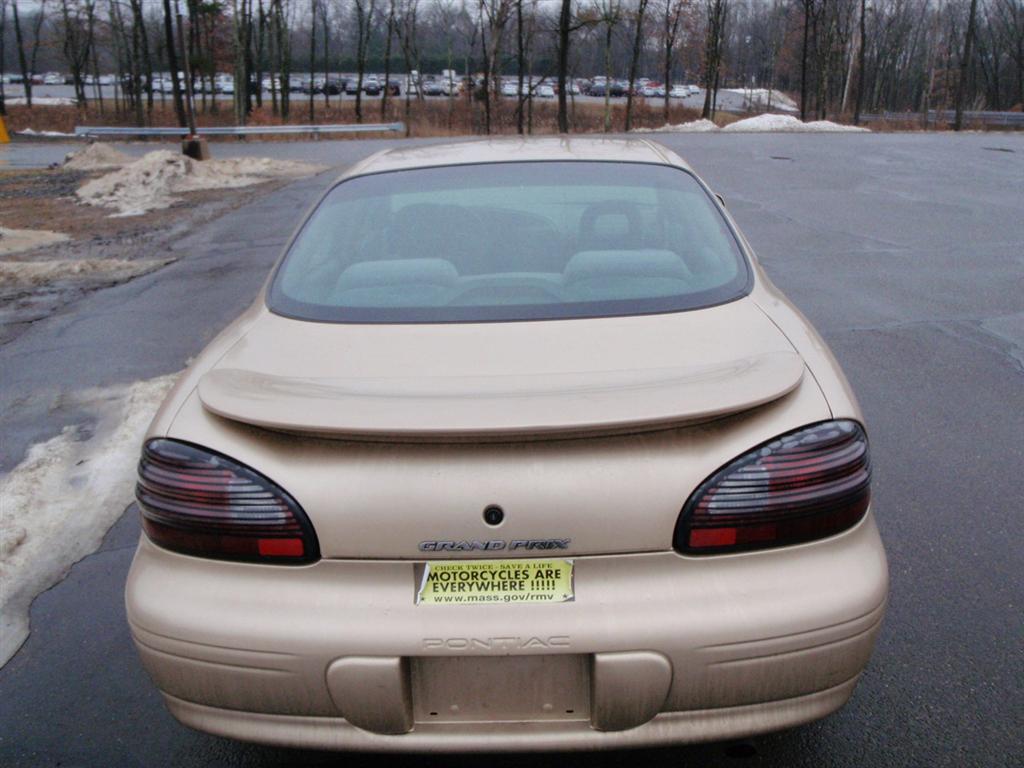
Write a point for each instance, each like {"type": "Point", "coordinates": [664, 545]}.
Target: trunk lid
{"type": "Point", "coordinates": [427, 425]}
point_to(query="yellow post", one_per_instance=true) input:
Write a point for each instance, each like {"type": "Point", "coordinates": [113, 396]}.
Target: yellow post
{"type": "Point", "coordinates": [4, 138]}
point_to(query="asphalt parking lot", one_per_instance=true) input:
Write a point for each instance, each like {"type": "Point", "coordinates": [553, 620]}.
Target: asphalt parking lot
{"type": "Point", "coordinates": [907, 253]}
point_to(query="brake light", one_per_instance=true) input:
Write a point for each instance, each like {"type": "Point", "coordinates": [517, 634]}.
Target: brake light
{"type": "Point", "coordinates": [200, 503]}
{"type": "Point", "coordinates": [802, 486]}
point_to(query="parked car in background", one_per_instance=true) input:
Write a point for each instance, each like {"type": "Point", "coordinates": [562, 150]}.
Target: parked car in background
{"type": "Point", "coordinates": [653, 90]}
{"type": "Point", "coordinates": [53, 78]}
{"type": "Point", "coordinates": [510, 88]}
{"type": "Point", "coordinates": [371, 86]}
{"type": "Point", "coordinates": [332, 86]}
{"type": "Point", "coordinates": [545, 91]}
{"type": "Point", "coordinates": [432, 87]}
{"type": "Point", "coordinates": [679, 92]}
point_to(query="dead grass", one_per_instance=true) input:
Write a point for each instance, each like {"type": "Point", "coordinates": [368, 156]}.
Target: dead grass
{"type": "Point", "coordinates": [434, 117]}
{"type": "Point", "coordinates": [44, 199]}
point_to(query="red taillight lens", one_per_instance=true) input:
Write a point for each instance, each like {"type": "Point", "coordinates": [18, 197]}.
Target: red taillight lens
{"type": "Point", "coordinates": [199, 503]}
{"type": "Point", "coordinates": [802, 486]}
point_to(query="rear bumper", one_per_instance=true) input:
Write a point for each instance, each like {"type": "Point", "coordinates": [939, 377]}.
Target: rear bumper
{"type": "Point", "coordinates": [666, 729]}
{"type": "Point", "coordinates": [674, 649]}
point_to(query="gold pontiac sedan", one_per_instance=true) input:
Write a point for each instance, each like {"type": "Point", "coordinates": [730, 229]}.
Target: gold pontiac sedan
{"type": "Point", "coordinates": [518, 449]}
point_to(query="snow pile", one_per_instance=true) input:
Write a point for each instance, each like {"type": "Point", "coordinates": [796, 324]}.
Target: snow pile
{"type": "Point", "coordinates": [17, 240]}
{"type": "Point", "coordinates": [694, 126]}
{"type": "Point", "coordinates": [95, 157]}
{"type": "Point", "coordinates": [61, 500]}
{"type": "Point", "coordinates": [36, 273]}
{"type": "Point", "coordinates": [154, 180]}
{"type": "Point", "coordinates": [789, 124]}
{"type": "Point", "coordinates": [60, 134]}
{"type": "Point", "coordinates": [758, 97]}
{"type": "Point", "coordinates": [41, 101]}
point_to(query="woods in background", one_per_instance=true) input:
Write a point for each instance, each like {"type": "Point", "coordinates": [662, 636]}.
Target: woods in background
{"type": "Point", "coordinates": [838, 58]}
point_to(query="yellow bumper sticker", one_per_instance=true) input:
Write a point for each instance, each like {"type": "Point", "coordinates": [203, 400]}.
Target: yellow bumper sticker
{"type": "Point", "coordinates": [472, 582]}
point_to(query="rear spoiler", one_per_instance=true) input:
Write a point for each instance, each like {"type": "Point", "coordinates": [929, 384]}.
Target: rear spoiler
{"type": "Point", "coordinates": [497, 407]}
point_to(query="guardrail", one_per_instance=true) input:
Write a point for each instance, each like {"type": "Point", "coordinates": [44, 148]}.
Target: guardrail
{"type": "Point", "coordinates": [1009, 119]}
{"type": "Point", "coordinates": [239, 130]}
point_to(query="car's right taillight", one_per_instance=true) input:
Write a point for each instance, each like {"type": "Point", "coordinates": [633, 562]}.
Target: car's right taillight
{"type": "Point", "coordinates": [804, 485]}
{"type": "Point", "coordinates": [200, 503]}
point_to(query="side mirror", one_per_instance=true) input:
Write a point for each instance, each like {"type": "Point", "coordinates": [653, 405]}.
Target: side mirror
{"type": "Point", "coordinates": [720, 199]}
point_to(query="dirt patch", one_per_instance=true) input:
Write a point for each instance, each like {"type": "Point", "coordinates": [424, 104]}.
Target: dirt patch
{"type": "Point", "coordinates": [100, 251]}
{"type": "Point", "coordinates": [18, 240]}
{"type": "Point", "coordinates": [45, 199]}
{"type": "Point", "coordinates": [31, 274]}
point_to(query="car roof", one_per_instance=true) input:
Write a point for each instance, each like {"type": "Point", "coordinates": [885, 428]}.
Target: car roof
{"type": "Point", "coordinates": [518, 150]}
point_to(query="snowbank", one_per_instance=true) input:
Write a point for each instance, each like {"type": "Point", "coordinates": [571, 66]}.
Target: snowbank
{"type": "Point", "coordinates": [41, 101]}
{"type": "Point", "coordinates": [59, 134]}
{"type": "Point", "coordinates": [154, 180]}
{"type": "Point", "coordinates": [95, 157]}
{"type": "Point", "coordinates": [17, 240]}
{"type": "Point", "coordinates": [61, 500]}
{"type": "Point", "coordinates": [694, 126]}
{"type": "Point", "coordinates": [789, 124]}
{"type": "Point", "coordinates": [758, 97]}
{"type": "Point", "coordinates": [35, 273]}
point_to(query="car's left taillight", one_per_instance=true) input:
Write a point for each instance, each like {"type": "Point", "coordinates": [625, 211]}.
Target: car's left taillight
{"type": "Point", "coordinates": [198, 502]}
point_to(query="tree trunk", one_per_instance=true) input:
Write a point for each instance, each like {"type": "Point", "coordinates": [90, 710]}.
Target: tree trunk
{"type": "Point", "coordinates": [965, 66]}
{"type": "Point", "coordinates": [387, 62]}
{"type": "Point", "coordinates": [609, 24]}
{"type": "Point", "coordinates": [327, 54]}
{"type": "Point", "coordinates": [803, 59]}
{"type": "Point", "coordinates": [861, 53]}
{"type": "Point", "coordinates": [312, 68]}
{"type": "Point", "coordinates": [564, 22]}
{"type": "Point", "coordinates": [172, 62]}
{"type": "Point", "coordinates": [520, 67]}
{"type": "Point", "coordinates": [26, 80]}
{"type": "Point", "coordinates": [634, 61]}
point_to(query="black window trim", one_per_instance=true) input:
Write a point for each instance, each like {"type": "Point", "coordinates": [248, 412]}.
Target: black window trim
{"type": "Point", "coordinates": [661, 304]}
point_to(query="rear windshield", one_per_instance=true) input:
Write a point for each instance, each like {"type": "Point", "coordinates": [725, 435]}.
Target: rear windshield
{"type": "Point", "coordinates": [510, 241]}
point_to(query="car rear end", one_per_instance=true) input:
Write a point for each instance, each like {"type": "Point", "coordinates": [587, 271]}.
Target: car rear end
{"type": "Point", "coordinates": [618, 531]}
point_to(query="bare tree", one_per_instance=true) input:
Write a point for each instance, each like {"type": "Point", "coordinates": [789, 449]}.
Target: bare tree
{"type": "Point", "coordinates": [23, 60]}
{"type": "Point", "coordinates": [312, 66]}
{"type": "Point", "coordinates": [638, 40]}
{"type": "Point", "coordinates": [172, 62]}
{"type": "Point", "coordinates": [407, 13]}
{"type": "Point", "coordinates": [672, 19]}
{"type": "Point", "coordinates": [717, 10]}
{"type": "Point", "coordinates": [387, 60]}
{"type": "Point", "coordinates": [364, 27]}
{"type": "Point", "coordinates": [965, 66]}
{"type": "Point", "coordinates": [496, 14]}
{"type": "Point", "coordinates": [564, 32]}
{"type": "Point", "coordinates": [608, 13]}
{"type": "Point", "coordinates": [76, 34]}
{"type": "Point", "coordinates": [861, 59]}
{"type": "Point", "coordinates": [241, 11]}
{"type": "Point", "coordinates": [3, 52]}
{"type": "Point", "coordinates": [280, 15]}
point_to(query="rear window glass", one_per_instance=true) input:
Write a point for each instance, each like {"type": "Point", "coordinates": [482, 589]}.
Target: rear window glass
{"type": "Point", "coordinates": [510, 241]}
